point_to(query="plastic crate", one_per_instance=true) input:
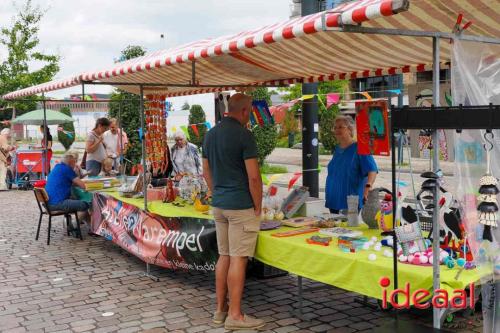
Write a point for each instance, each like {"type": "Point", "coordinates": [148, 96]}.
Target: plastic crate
{"type": "Point", "coordinates": [262, 271]}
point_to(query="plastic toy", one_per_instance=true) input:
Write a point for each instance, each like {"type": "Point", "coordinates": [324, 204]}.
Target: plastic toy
{"type": "Point", "coordinates": [351, 244]}
{"type": "Point", "coordinates": [318, 240]}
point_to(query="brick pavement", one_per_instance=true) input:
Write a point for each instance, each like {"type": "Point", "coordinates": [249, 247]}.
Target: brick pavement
{"type": "Point", "coordinates": [94, 286]}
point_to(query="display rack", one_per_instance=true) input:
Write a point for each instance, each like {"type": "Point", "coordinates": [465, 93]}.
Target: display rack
{"type": "Point", "coordinates": [432, 118]}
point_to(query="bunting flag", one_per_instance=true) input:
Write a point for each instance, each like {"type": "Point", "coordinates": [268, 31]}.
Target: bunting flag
{"type": "Point", "coordinates": [294, 179]}
{"type": "Point", "coordinates": [264, 179]}
{"type": "Point", "coordinates": [305, 97]}
{"type": "Point", "coordinates": [367, 95]}
{"type": "Point", "coordinates": [184, 129]}
{"type": "Point", "coordinates": [195, 130]}
{"type": "Point", "coordinates": [207, 124]}
{"type": "Point", "coordinates": [319, 99]}
{"type": "Point", "coordinates": [395, 91]}
{"type": "Point", "coordinates": [332, 99]}
{"type": "Point", "coordinates": [140, 134]}
{"type": "Point", "coordinates": [174, 129]}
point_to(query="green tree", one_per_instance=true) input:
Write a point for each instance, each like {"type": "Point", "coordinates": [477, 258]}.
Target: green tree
{"type": "Point", "coordinates": [66, 139]}
{"type": "Point", "coordinates": [185, 106]}
{"type": "Point", "coordinates": [326, 116]}
{"type": "Point", "coordinates": [326, 136]}
{"type": "Point", "coordinates": [197, 116]}
{"type": "Point", "coordinates": [266, 138]}
{"type": "Point", "coordinates": [20, 40]}
{"type": "Point", "coordinates": [130, 109]}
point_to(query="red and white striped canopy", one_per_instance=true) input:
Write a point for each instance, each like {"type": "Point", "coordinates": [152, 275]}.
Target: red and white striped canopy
{"type": "Point", "coordinates": [299, 50]}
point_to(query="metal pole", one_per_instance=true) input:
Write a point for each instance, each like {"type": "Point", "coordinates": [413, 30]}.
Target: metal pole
{"type": "Point", "coordinates": [435, 159]}
{"type": "Point", "coordinates": [120, 132]}
{"type": "Point", "coordinates": [310, 126]}
{"type": "Point", "coordinates": [394, 204]}
{"type": "Point", "coordinates": [143, 149]}
{"type": "Point", "coordinates": [44, 153]}
{"type": "Point", "coordinates": [83, 91]}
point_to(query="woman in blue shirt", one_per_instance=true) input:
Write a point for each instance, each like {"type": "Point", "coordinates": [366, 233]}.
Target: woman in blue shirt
{"type": "Point", "coordinates": [348, 172]}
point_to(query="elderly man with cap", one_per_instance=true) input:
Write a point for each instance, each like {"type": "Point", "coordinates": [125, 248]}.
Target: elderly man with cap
{"type": "Point", "coordinates": [5, 149]}
{"type": "Point", "coordinates": [59, 184]}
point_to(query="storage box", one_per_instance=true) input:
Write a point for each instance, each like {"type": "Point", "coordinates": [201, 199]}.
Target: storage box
{"type": "Point", "coordinates": [262, 271]}
{"type": "Point", "coordinates": [313, 207]}
{"type": "Point", "coordinates": [157, 193]}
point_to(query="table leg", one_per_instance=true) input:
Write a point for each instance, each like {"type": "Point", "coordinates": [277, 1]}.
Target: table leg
{"type": "Point", "coordinates": [148, 274]}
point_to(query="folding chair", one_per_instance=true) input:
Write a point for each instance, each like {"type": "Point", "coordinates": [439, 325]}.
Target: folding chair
{"type": "Point", "coordinates": [42, 200]}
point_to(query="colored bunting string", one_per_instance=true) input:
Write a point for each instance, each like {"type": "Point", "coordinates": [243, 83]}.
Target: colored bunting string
{"type": "Point", "coordinates": [295, 177]}
{"type": "Point", "coordinates": [184, 129]}
{"type": "Point", "coordinates": [194, 127]}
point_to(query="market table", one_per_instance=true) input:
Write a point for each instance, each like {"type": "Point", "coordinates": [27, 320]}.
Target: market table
{"type": "Point", "coordinates": [351, 271]}
{"type": "Point", "coordinates": [165, 235]}
{"type": "Point", "coordinates": [123, 221]}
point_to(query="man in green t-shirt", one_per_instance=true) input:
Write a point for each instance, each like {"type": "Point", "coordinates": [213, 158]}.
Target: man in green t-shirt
{"type": "Point", "coordinates": [232, 172]}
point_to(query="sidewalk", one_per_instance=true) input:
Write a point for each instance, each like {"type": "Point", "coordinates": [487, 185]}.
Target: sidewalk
{"type": "Point", "coordinates": [287, 156]}
{"type": "Point", "coordinates": [292, 160]}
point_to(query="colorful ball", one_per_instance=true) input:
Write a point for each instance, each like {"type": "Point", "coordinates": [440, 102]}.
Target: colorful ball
{"type": "Point", "coordinates": [424, 260]}
{"type": "Point", "coordinates": [403, 258]}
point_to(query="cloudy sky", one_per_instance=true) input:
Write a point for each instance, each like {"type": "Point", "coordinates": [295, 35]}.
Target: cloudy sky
{"type": "Point", "coordinates": [89, 34]}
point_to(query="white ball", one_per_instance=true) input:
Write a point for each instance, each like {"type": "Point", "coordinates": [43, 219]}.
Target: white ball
{"type": "Point", "coordinates": [366, 246]}
{"type": "Point", "coordinates": [374, 239]}
{"type": "Point", "coordinates": [372, 257]}
{"type": "Point", "coordinates": [410, 258]}
{"type": "Point", "coordinates": [387, 253]}
{"type": "Point", "coordinates": [430, 260]}
{"type": "Point", "coordinates": [403, 258]}
{"type": "Point", "coordinates": [377, 247]}
{"type": "Point", "coordinates": [424, 260]}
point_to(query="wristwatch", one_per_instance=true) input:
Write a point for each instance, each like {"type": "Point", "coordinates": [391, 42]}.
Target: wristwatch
{"type": "Point", "coordinates": [368, 186]}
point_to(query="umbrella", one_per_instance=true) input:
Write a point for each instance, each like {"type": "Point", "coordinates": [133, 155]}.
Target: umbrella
{"type": "Point", "coordinates": [36, 118]}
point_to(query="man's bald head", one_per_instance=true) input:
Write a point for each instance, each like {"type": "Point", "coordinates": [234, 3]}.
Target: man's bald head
{"type": "Point", "coordinates": [239, 107]}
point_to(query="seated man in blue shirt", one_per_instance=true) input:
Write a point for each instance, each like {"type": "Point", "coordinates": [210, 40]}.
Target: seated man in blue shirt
{"type": "Point", "coordinates": [59, 184]}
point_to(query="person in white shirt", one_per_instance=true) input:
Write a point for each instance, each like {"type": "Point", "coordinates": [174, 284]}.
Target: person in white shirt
{"type": "Point", "coordinates": [114, 146]}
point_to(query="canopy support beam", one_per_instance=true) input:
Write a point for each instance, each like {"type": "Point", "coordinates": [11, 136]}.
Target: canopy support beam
{"type": "Point", "coordinates": [142, 137]}
{"type": "Point", "coordinates": [183, 85]}
{"type": "Point", "coordinates": [412, 33]}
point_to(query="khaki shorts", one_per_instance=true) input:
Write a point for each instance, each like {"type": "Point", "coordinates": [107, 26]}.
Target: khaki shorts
{"type": "Point", "coordinates": [236, 231]}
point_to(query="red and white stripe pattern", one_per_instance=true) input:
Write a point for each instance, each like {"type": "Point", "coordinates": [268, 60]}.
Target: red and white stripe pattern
{"type": "Point", "coordinates": [44, 87]}
{"type": "Point", "coordinates": [298, 50]}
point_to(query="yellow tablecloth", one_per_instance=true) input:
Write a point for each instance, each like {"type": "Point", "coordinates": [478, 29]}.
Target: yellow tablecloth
{"type": "Point", "coordinates": [328, 264]}
{"type": "Point", "coordinates": [160, 208]}
{"type": "Point", "coordinates": [350, 271]}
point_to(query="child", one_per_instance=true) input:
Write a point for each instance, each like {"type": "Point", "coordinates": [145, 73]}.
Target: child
{"type": "Point", "coordinates": [107, 168]}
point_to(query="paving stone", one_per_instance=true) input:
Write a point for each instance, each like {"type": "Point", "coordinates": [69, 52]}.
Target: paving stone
{"type": "Point", "coordinates": [99, 277]}
{"type": "Point", "coordinates": [153, 325]}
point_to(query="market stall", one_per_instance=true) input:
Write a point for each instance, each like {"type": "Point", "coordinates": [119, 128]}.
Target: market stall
{"type": "Point", "coordinates": [357, 39]}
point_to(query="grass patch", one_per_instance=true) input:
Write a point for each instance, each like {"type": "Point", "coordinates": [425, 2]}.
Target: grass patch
{"type": "Point", "coordinates": [323, 151]}
{"type": "Point", "coordinates": [268, 169]}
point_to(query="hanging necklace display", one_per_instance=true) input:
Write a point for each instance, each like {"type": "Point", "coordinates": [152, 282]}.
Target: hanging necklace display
{"type": "Point", "coordinates": [488, 190]}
